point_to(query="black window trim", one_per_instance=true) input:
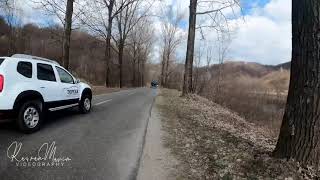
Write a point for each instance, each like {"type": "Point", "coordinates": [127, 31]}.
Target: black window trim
{"type": "Point", "coordinates": [23, 74]}
{"type": "Point", "coordinates": [73, 82]}
{"type": "Point", "coordinates": [55, 77]}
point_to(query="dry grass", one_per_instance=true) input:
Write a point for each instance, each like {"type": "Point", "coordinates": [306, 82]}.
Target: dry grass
{"type": "Point", "coordinates": [277, 80]}
{"type": "Point", "coordinates": [262, 109]}
{"type": "Point", "coordinates": [214, 143]}
{"type": "Point", "coordinates": [258, 99]}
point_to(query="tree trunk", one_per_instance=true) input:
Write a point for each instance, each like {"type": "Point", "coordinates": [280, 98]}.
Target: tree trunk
{"type": "Point", "coordinates": [139, 73]}
{"type": "Point", "coordinates": [218, 84]}
{"type": "Point", "coordinates": [134, 74]}
{"type": "Point", "coordinates": [167, 67]}
{"type": "Point", "coordinates": [143, 66]}
{"type": "Point", "coordinates": [106, 57]}
{"type": "Point", "coordinates": [134, 68]}
{"type": "Point", "coordinates": [67, 34]}
{"type": "Point", "coordinates": [12, 39]}
{"type": "Point", "coordinates": [300, 130]}
{"type": "Point", "coordinates": [163, 64]}
{"type": "Point", "coordinates": [120, 57]}
{"type": "Point", "coordinates": [108, 43]}
{"type": "Point", "coordinates": [187, 80]}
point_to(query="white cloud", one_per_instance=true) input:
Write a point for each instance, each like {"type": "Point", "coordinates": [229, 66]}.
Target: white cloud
{"type": "Point", "coordinates": [279, 10]}
{"type": "Point", "coordinates": [262, 36]}
{"type": "Point", "coordinates": [265, 36]}
{"type": "Point", "coordinates": [30, 12]}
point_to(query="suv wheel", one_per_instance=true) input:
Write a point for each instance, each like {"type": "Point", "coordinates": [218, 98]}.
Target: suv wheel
{"type": "Point", "coordinates": [30, 117]}
{"type": "Point", "coordinates": [85, 104]}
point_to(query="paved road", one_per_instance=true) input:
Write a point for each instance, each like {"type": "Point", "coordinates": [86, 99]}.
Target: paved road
{"type": "Point", "coordinates": [105, 144]}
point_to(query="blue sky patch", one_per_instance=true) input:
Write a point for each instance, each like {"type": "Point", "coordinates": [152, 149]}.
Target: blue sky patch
{"type": "Point", "coordinates": [248, 5]}
{"type": "Point", "coordinates": [183, 24]}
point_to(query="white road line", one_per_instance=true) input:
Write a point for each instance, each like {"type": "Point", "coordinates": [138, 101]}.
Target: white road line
{"type": "Point", "coordinates": [131, 93]}
{"type": "Point", "coordinates": [100, 103]}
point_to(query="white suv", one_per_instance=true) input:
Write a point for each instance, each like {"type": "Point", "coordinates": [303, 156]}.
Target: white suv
{"type": "Point", "coordinates": [29, 86]}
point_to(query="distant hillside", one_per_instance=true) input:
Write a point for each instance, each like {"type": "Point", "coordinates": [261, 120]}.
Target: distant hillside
{"type": "Point", "coordinates": [268, 76]}
{"type": "Point", "coordinates": [249, 74]}
{"type": "Point", "coordinates": [236, 69]}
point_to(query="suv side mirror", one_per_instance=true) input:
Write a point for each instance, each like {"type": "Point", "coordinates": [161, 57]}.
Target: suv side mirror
{"type": "Point", "coordinates": [77, 81]}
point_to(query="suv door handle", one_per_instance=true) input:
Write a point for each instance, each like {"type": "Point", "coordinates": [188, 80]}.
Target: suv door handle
{"type": "Point", "coordinates": [42, 87]}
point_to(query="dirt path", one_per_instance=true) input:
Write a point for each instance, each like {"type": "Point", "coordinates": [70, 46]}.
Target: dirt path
{"type": "Point", "coordinates": [157, 163]}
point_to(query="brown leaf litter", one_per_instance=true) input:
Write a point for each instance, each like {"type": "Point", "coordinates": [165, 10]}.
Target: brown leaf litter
{"type": "Point", "coordinates": [213, 142]}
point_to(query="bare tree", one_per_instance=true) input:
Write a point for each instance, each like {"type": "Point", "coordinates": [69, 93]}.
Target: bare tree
{"type": "Point", "coordinates": [139, 41]}
{"type": "Point", "coordinates": [11, 15]}
{"type": "Point", "coordinates": [136, 39]}
{"type": "Point", "coordinates": [223, 41]}
{"type": "Point", "coordinates": [198, 69]}
{"type": "Point", "coordinates": [214, 10]}
{"type": "Point", "coordinates": [207, 75]}
{"type": "Point", "coordinates": [65, 12]}
{"type": "Point", "coordinates": [163, 66]}
{"type": "Point", "coordinates": [67, 34]}
{"type": "Point", "coordinates": [146, 52]}
{"type": "Point", "coordinates": [187, 80]}
{"type": "Point", "coordinates": [98, 17]}
{"type": "Point", "coordinates": [171, 38]}
{"type": "Point", "coordinates": [126, 20]}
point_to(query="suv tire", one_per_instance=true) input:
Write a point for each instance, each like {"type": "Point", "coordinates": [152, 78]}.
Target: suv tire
{"type": "Point", "coordinates": [85, 104]}
{"type": "Point", "coordinates": [30, 116]}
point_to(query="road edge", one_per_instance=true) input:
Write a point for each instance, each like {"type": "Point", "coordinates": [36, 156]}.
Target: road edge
{"type": "Point", "coordinates": [139, 161]}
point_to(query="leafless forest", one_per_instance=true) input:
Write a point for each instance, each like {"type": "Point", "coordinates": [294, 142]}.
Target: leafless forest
{"type": "Point", "coordinates": [94, 55]}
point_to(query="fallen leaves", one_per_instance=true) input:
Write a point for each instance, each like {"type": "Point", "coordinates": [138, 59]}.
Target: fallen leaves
{"type": "Point", "coordinates": [213, 142]}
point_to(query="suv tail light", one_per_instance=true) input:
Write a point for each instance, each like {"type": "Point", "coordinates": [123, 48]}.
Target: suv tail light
{"type": "Point", "coordinates": [1, 82]}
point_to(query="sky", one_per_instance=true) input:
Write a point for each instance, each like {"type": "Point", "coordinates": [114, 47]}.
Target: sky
{"type": "Point", "coordinates": [262, 30]}
{"type": "Point", "coordinates": [248, 5]}
{"type": "Point", "coordinates": [265, 36]}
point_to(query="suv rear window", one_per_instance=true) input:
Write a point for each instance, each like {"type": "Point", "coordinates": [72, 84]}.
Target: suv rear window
{"type": "Point", "coordinates": [45, 72]}
{"type": "Point", "coordinates": [1, 60]}
{"type": "Point", "coordinates": [25, 69]}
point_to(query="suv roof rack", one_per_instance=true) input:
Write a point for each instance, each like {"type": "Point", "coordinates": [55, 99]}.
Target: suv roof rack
{"type": "Point", "coordinates": [25, 56]}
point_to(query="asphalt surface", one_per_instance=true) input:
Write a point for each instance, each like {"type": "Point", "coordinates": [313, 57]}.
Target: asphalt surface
{"type": "Point", "coordinates": [105, 144]}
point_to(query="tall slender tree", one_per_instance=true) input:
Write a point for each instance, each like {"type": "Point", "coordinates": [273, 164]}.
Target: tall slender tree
{"type": "Point", "coordinates": [300, 130]}
{"type": "Point", "coordinates": [126, 20]}
{"type": "Point", "coordinates": [67, 34]}
{"type": "Point", "coordinates": [171, 38]}
{"type": "Point", "coordinates": [215, 11]}
{"type": "Point", "coordinates": [67, 12]}
{"type": "Point", "coordinates": [139, 42]}
{"type": "Point", "coordinates": [10, 12]}
{"type": "Point", "coordinates": [112, 13]}
{"type": "Point", "coordinates": [99, 16]}
{"type": "Point", "coordinates": [188, 67]}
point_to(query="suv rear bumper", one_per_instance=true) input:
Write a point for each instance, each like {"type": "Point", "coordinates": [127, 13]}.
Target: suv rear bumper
{"type": "Point", "coordinates": [6, 114]}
